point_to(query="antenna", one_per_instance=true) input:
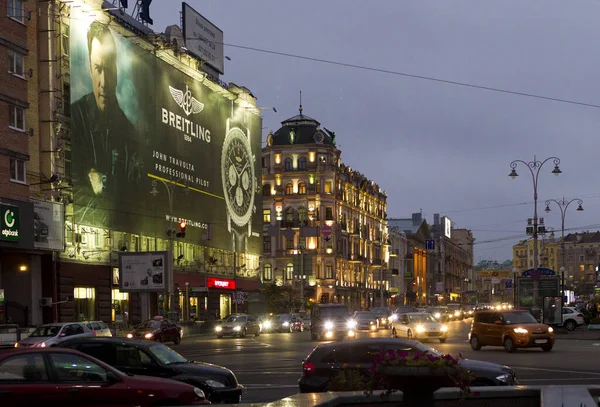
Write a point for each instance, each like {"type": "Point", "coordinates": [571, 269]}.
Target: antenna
{"type": "Point", "coordinates": [300, 102]}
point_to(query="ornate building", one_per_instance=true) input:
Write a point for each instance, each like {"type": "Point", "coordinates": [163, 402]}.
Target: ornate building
{"type": "Point", "coordinates": [324, 223]}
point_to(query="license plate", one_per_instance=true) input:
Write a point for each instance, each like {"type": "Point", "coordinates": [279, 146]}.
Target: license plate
{"type": "Point", "coordinates": [541, 340]}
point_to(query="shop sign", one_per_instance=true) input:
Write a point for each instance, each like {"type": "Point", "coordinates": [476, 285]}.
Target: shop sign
{"type": "Point", "coordinates": [9, 226]}
{"type": "Point", "coordinates": [222, 283]}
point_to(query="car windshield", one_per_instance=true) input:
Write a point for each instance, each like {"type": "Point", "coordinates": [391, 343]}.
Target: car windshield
{"type": "Point", "coordinates": [422, 318]}
{"type": "Point", "coordinates": [434, 310]}
{"type": "Point", "coordinates": [334, 312]}
{"type": "Point", "coordinates": [380, 311]}
{"type": "Point", "coordinates": [45, 331]}
{"type": "Point", "coordinates": [236, 319]}
{"type": "Point", "coordinates": [166, 355]}
{"type": "Point", "coordinates": [401, 310]}
{"type": "Point", "coordinates": [151, 324]}
{"type": "Point", "coordinates": [364, 315]}
{"type": "Point", "coordinates": [519, 318]}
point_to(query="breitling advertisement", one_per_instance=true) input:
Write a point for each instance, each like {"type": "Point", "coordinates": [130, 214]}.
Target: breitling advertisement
{"type": "Point", "coordinates": [150, 145]}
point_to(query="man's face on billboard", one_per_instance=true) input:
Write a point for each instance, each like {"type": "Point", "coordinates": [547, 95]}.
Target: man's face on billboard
{"type": "Point", "coordinates": [103, 70]}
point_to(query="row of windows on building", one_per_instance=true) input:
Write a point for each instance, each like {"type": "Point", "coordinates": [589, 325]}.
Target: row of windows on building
{"type": "Point", "coordinates": [301, 188]}
{"type": "Point", "coordinates": [289, 272]}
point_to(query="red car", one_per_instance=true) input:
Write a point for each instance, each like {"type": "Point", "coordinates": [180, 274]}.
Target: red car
{"type": "Point", "coordinates": [65, 377]}
{"type": "Point", "coordinates": [158, 329]}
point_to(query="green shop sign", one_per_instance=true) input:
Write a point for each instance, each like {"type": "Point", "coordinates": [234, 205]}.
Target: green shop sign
{"type": "Point", "coordinates": [9, 225]}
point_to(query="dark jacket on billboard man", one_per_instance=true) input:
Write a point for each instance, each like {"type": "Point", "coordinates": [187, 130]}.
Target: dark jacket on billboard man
{"type": "Point", "coordinates": [107, 162]}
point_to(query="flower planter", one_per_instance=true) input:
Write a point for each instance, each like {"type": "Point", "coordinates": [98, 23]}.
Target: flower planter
{"type": "Point", "coordinates": [417, 383]}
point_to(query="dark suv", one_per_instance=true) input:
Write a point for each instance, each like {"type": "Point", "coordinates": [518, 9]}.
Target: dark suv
{"type": "Point", "coordinates": [328, 360]}
{"type": "Point", "coordinates": [331, 321]}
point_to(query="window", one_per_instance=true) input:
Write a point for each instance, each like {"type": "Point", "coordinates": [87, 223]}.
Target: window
{"type": "Point", "coordinates": [16, 63]}
{"type": "Point", "coordinates": [85, 304]}
{"type": "Point", "coordinates": [131, 356]}
{"type": "Point", "coordinates": [267, 272]}
{"type": "Point", "coordinates": [328, 271]}
{"type": "Point", "coordinates": [289, 271]}
{"type": "Point", "coordinates": [289, 165]}
{"type": "Point", "coordinates": [15, 10]}
{"type": "Point", "coordinates": [289, 244]}
{"type": "Point", "coordinates": [64, 37]}
{"type": "Point", "coordinates": [266, 244]}
{"type": "Point", "coordinates": [101, 351]}
{"type": "Point", "coordinates": [74, 368]}
{"type": "Point", "coordinates": [266, 190]}
{"type": "Point", "coordinates": [328, 187]}
{"type": "Point", "coordinates": [302, 188]}
{"type": "Point", "coordinates": [302, 163]}
{"type": "Point", "coordinates": [329, 213]}
{"type": "Point", "coordinates": [23, 368]}
{"type": "Point", "coordinates": [18, 170]}
{"type": "Point", "coordinates": [289, 188]}
{"type": "Point", "coordinates": [16, 117]}
{"type": "Point", "coordinates": [66, 99]}
{"type": "Point", "coordinates": [266, 215]}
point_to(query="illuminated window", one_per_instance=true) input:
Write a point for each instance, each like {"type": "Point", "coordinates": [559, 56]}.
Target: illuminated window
{"type": "Point", "coordinates": [289, 271]}
{"type": "Point", "coordinates": [289, 244]}
{"type": "Point", "coordinates": [328, 271]}
{"type": "Point", "coordinates": [289, 188]}
{"type": "Point", "coordinates": [85, 303]}
{"type": "Point", "coordinates": [289, 164]}
{"type": "Point", "coordinates": [267, 272]}
{"type": "Point", "coordinates": [266, 215]}
{"type": "Point", "coordinates": [581, 267]}
{"type": "Point", "coordinates": [302, 188]}
{"type": "Point", "coordinates": [328, 187]}
{"type": "Point", "coordinates": [302, 163]}
{"type": "Point", "coordinates": [120, 306]}
{"type": "Point", "coordinates": [266, 191]}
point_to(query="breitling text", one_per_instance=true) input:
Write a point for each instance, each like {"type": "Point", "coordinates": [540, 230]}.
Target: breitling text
{"type": "Point", "coordinates": [185, 125]}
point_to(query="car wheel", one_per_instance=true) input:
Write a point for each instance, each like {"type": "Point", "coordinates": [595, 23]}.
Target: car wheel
{"type": "Point", "coordinates": [219, 336]}
{"type": "Point", "coordinates": [177, 340]}
{"type": "Point", "coordinates": [442, 340]}
{"type": "Point", "coordinates": [570, 325]}
{"type": "Point", "coordinates": [243, 333]}
{"type": "Point", "coordinates": [409, 334]}
{"type": "Point", "coordinates": [547, 347]}
{"type": "Point", "coordinates": [509, 345]}
{"type": "Point", "coordinates": [475, 345]}
{"type": "Point", "coordinates": [257, 332]}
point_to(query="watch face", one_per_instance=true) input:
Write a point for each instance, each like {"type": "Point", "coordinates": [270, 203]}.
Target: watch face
{"type": "Point", "coordinates": [237, 174]}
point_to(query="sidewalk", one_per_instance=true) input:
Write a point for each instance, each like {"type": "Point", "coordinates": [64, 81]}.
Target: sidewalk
{"type": "Point", "coordinates": [581, 333]}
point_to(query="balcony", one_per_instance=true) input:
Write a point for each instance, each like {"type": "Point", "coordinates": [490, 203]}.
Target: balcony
{"type": "Point", "coordinates": [356, 258]}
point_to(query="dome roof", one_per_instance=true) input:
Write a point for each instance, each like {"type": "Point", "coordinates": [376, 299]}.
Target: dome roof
{"type": "Point", "coordinates": [301, 129]}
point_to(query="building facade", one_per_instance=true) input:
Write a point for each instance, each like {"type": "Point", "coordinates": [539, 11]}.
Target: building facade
{"type": "Point", "coordinates": [548, 254]}
{"type": "Point", "coordinates": [324, 223]}
{"type": "Point", "coordinates": [398, 265]}
{"type": "Point", "coordinates": [580, 257]}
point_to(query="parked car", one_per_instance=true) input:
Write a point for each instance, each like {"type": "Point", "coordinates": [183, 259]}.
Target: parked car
{"type": "Point", "coordinates": [154, 359]}
{"type": "Point", "coordinates": [331, 321]}
{"type": "Point", "coordinates": [511, 329]}
{"type": "Point", "coordinates": [66, 377]}
{"type": "Point", "coordinates": [327, 360]}
{"type": "Point", "coordinates": [383, 317]}
{"type": "Point", "coordinates": [157, 329]}
{"type": "Point", "coordinates": [52, 334]}
{"type": "Point", "coordinates": [419, 326]}
{"type": "Point", "coordinates": [572, 318]}
{"type": "Point", "coordinates": [238, 325]}
{"type": "Point", "coordinates": [99, 328]}
{"type": "Point", "coordinates": [365, 321]}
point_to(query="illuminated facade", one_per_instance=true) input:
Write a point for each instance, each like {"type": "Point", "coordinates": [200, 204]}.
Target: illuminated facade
{"type": "Point", "coordinates": [548, 252]}
{"type": "Point", "coordinates": [324, 223]}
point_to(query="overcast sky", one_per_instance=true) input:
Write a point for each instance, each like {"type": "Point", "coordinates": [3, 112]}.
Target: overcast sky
{"type": "Point", "coordinates": [432, 146]}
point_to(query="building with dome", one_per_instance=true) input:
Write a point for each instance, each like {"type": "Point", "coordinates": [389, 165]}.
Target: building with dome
{"type": "Point", "coordinates": [325, 229]}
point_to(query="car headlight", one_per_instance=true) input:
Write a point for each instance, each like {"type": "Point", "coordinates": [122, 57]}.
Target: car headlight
{"type": "Point", "coordinates": [393, 318]}
{"type": "Point", "coordinates": [218, 328]}
{"type": "Point", "coordinates": [129, 336]}
{"type": "Point", "coordinates": [550, 329]}
{"type": "Point", "coordinates": [383, 319]}
{"type": "Point", "coordinates": [237, 328]}
{"type": "Point", "coordinates": [351, 324]}
{"type": "Point", "coordinates": [504, 378]}
{"type": "Point", "coordinates": [328, 325]}
{"type": "Point", "coordinates": [199, 393]}
{"type": "Point", "coordinates": [148, 335]}
{"type": "Point", "coordinates": [437, 315]}
{"type": "Point", "coordinates": [267, 324]}
{"type": "Point", "coordinates": [40, 345]}
{"type": "Point", "coordinates": [214, 383]}
{"type": "Point", "coordinates": [456, 313]}
{"type": "Point", "coordinates": [521, 331]}
{"type": "Point", "coordinates": [420, 328]}
{"type": "Point", "coordinates": [286, 323]}
{"type": "Point", "coordinates": [444, 328]}
{"type": "Point", "coordinates": [16, 344]}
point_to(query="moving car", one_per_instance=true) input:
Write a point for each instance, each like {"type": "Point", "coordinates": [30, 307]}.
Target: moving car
{"type": "Point", "coordinates": [53, 334]}
{"type": "Point", "coordinates": [238, 325]}
{"type": "Point", "coordinates": [511, 329]}
{"type": "Point", "coordinates": [331, 321]}
{"type": "Point", "coordinates": [157, 329]}
{"type": "Point", "coordinates": [383, 317]}
{"type": "Point", "coordinates": [365, 321]}
{"type": "Point", "coordinates": [419, 326]}
{"type": "Point", "coordinates": [327, 360]}
{"type": "Point", "coordinates": [572, 318]}
{"type": "Point", "coordinates": [99, 328]}
{"type": "Point", "coordinates": [154, 359]}
{"type": "Point", "coordinates": [66, 377]}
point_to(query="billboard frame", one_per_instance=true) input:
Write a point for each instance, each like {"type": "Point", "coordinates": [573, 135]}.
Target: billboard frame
{"type": "Point", "coordinates": [144, 262]}
{"type": "Point", "coordinates": [218, 62]}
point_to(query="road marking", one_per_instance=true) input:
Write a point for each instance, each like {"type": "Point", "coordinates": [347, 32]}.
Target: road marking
{"type": "Point", "coordinates": [266, 345]}
{"type": "Point", "coordinates": [555, 370]}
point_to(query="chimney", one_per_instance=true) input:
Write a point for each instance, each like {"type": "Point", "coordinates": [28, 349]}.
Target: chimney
{"type": "Point", "coordinates": [436, 218]}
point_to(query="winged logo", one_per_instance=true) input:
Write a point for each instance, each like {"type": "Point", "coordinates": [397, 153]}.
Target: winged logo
{"type": "Point", "coordinates": [186, 101]}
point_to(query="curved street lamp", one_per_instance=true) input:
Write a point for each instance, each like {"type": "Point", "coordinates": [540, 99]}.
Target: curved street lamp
{"type": "Point", "coordinates": [534, 168]}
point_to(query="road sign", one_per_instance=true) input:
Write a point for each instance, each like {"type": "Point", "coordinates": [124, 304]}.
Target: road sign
{"type": "Point", "coordinates": [429, 244]}
{"type": "Point", "coordinates": [326, 231]}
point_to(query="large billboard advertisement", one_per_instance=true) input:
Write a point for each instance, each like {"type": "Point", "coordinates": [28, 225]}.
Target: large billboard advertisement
{"type": "Point", "coordinates": [143, 272]}
{"type": "Point", "coordinates": [203, 38]}
{"type": "Point", "coordinates": [151, 146]}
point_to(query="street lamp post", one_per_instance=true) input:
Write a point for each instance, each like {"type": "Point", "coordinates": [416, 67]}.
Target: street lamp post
{"type": "Point", "coordinates": [563, 205]}
{"type": "Point", "coordinates": [534, 168]}
{"type": "Point", "coordinates": [170, 185]}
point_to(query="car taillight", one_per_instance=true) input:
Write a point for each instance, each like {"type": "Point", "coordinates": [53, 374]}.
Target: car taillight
{"type": "Point", "coordinates": [308, 368]}
{"type": "Point", "coordinates": [580, 315]}
{"type": "Point", "coordinates": [95, 333]}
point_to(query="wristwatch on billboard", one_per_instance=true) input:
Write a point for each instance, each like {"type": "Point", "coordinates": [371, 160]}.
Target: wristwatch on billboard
{"type": "Point", "coordinates": [239, 178]}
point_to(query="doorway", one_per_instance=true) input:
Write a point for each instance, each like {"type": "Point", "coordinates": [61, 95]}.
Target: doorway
{"type": "Point", "coordinates": [224, 305]}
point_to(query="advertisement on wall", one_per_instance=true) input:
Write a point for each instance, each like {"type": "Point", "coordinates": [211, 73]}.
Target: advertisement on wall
{"type": "Point", "coordinates": [48, 225]}
{"type": "Point", "coordinates": [153, 146]}
{"type": "Point", "coordinates": [143, 272]}
{"type": "Point", "coordinates": [548, 287]}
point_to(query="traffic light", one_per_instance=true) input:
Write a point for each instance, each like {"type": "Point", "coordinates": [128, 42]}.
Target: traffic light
{"type": "Point", "coordinates": [182, 226]}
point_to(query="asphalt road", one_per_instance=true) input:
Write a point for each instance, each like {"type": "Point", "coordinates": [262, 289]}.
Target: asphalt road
{"type": "Point", "coordinates": [271, 364]}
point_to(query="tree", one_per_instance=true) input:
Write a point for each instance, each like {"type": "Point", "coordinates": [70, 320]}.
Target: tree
{"type": "Point", "coordinates": [280, 299]}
